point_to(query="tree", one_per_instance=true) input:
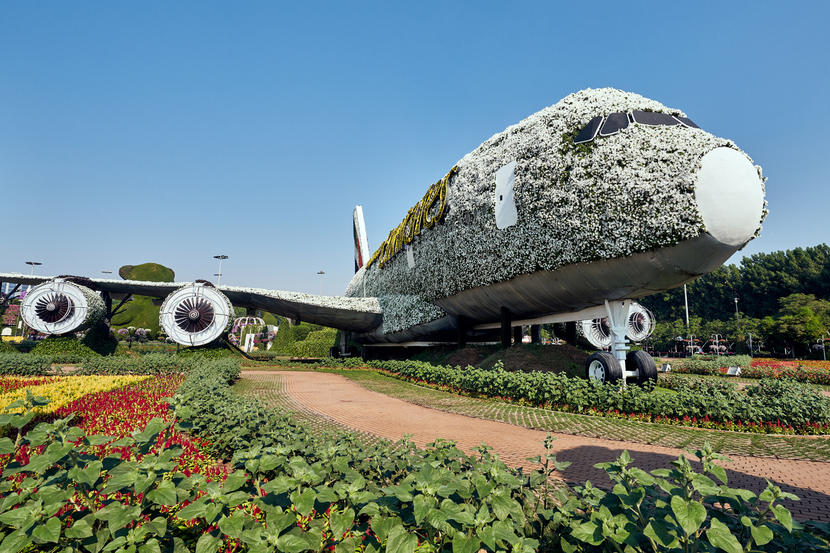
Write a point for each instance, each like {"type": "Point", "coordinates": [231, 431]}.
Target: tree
{"type": "Point", "coordinates": [803, 320]}
{"type": "Point", "coordinates": [759, 282]}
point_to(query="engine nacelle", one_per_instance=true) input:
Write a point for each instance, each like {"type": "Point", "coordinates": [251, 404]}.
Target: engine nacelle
{"type": "Point", "coordinates": [640, 327]}
{"type": "Point", "coordinates": [640, 323]}
{"type": "Point", "coordinates": [60, 306]}
{"type": "Point", "coordinates": [195, 314]}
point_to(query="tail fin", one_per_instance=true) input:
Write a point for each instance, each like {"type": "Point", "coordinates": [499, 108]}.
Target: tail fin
{"type": "Point", "coordinates": [361, 243]}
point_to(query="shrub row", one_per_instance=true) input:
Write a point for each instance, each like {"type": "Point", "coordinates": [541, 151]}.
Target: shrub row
{"type": "Point", "coordinates": [751, 368]}
{"type": "Point", "coordinates": [345, 493]}
{"type": "Point", "coordinates": [151, 363]}
{"type": "Point", "coordinates": [769, 406]}
{"type": "Point", "coordinates": [23, 364]}
{"type": "Point", "coordinates": [64, 349]}
{"type": "Point", "coordinates": [6, 347]}
{"type": "Point", "coordinates": [318, 343]}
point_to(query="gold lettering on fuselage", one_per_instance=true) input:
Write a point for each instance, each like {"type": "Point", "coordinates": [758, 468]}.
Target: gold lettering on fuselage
{"type": "Point", "coordinates": [424, 215]}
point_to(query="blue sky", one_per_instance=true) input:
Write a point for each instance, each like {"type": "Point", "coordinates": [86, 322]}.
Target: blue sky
{"type": "Point", "coordinates": [170, 132]}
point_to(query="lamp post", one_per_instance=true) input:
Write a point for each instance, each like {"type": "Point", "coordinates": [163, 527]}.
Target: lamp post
{"type": "Point", "coordinates": [219, 274]}
{"type": "Point", "coordinates": [33, 265]}
{"type": "Point", "coordinates": [321, 273]}
{"type": "Point", "coordinates": [737, 315]}
{"type": "Point", "coordinates": [686, 301]}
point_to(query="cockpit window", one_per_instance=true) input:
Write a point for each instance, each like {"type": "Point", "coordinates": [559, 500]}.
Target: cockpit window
{"type": "Point", "coordinates": [614, 124]}
{"type": "Point", "coordinates": [654, 118]}
{"type": "Point", "coordinates": [686, 121]}
{"type": "Point", "coordinates": [589, 131]}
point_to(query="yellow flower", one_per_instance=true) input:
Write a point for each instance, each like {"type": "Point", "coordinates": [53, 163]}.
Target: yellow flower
{"type": "Point", "coordinates": [69, 388]}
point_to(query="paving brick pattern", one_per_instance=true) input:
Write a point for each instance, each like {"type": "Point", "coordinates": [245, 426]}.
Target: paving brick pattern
{"type": "Point", "coordinates": [339, 399]}
{"type": "Point", "coordinates": [810, 448]}
{"type": "Point", "coordinates": [270, 388]}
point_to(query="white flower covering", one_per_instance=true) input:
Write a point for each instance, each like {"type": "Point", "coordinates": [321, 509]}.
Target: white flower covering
{"type": "Point", "coordinates": [615, 196]}
{"type": "Point", "coordinates": [359, 304]}
{"type": "Point", "coordinates": [402, 312]}
{"type": "Point", "coordinates": [96, 310]}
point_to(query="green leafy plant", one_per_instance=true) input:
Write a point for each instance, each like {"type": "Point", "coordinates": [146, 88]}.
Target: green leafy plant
{"type": "Point", "coordinates": [293, 489]}
{"type": "Point", "coordinates": [22, 364]}
{"type": "Point", "coordinates": [64, 349]}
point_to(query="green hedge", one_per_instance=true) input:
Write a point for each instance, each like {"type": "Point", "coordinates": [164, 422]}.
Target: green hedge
{"type": "Point", "coordinates": [303, 330]}
{"type": "Point", "coordinates": [776, 406]}
{"type": "Point", "coordinates": [318, 343]}
{"type": "Point", "coordinates": [284, 340]}
{"type": "Point", "coordinates": [210, 351]}
{"type": "Point", "coordinates": [150, 363]}
{"type": "Point", "coordinates": [23, 364]}
{"type": "Point", "coordinates": [64, 349]}
{"type": "Point", "coordinates": [6, 347]}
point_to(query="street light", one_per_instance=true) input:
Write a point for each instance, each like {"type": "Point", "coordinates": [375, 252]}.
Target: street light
{"type": "Point", "coordinates": [33, 264]}
{"type": "Point", "coordinates": [107, 272]}
{"type": "Point", "coordinates": [321, 273]}
{"type": "Point", "coordinates": [737, 315]}
{"type": "Point", "coordinates": [686, 301]}
{"type": "Point", "coordinates": [219, 274]}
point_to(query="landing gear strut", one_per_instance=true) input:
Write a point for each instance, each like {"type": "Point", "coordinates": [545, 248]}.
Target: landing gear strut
{"type": "Point", "coordinates": [620, 364]}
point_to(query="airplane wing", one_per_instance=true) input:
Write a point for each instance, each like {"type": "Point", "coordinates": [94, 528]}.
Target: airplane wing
{"type": "Point", "coordinates": [345, 313]}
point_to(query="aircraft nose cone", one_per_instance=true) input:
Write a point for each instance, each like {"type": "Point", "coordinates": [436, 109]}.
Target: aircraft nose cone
{"type": "Point", "coordinates": [729, 195]}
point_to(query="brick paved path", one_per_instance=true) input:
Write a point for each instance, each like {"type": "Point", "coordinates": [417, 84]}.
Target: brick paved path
{"type": "Point", "coordinates": [355, 407]}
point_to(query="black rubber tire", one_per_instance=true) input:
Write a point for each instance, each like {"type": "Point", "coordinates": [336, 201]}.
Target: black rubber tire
{"type": "Point", "coordinates": [644, 363]}
{"type": "Point", "coordinates": [611, 370]}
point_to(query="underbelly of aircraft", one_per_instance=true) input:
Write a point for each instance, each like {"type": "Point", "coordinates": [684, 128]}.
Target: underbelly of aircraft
{"type": "Point", "coordinates": [572, 288]}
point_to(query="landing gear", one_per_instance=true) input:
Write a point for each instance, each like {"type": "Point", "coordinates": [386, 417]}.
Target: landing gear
{"type": "Point", "coordinates": [603, 367]}
{"type": "Point", "coordinates": [644, 364]}
{"type": "Point", "coordinates": [620, 364]}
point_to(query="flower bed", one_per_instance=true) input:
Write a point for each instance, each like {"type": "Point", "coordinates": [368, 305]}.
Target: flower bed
{"type": "Point", "coordinates": [814, 372]}
{"type": "Point", "coordinates": [295, 490]}
{"type": "Point", "coordinates": [10, 383]}
{"type": "Point", "coordinates": [61, 390]}
{"type": "Point", "coordinates": [121, 411]}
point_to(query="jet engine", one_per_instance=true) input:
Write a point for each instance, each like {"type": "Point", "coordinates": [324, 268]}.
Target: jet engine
{"type": "Point", "coordinates": [640, 327]}
{"type": "Point", "coordinates": [196, 314]}
{"type": "Point", "coordinates": [60, 306]}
